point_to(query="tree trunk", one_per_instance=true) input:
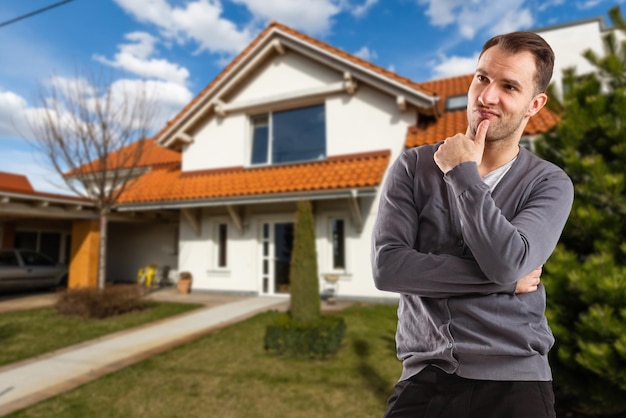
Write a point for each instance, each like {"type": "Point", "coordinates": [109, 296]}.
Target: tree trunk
{"type": "Point", "coordinates": [103, 250]}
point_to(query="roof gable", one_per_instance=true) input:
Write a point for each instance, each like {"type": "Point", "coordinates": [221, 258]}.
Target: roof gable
{"type": "Point", "coordinates": [280, 39]}
{"type": "Point", "coordinates": [15, 183]}
{"type": "Point", "coordinates": [152, 154]}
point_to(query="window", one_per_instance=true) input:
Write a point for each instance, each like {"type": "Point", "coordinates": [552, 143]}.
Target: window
{"type": "Point", "coordinates": [339, 244]}
{"type": "Point", "coordinates": [222, 243]}
{"type": "Point", "coordinates": [289, 136]}
{"type": "Point", "coordinates": [456, 102]}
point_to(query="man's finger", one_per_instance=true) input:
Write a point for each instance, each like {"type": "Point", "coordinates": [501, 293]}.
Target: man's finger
{"type": "Point", "coordinates": [481, 132]}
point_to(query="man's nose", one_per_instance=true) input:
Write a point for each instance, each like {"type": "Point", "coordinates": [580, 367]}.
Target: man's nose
{"type": "Point", "coordinates": [489, 95]}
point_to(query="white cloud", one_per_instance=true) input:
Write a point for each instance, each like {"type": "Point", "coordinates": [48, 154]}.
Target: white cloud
{"type": "Point", "coordinates": [362, 9]}
{"type": "Point", "coordinates": [135, 57]}
{"type": "Point", "coordinates": [588, 4]}
{"type": "Point", "coordinates": [169, 97]}
{"type": "Point", "coordinates": [366, 54]}
{"type": "Point", "coordinates": [472, 16]}
{"type": "Point", "coordinates": [199, 21]}
{"type": "Point", "coordinates": [12, 108]}
{"type": "Point", "coordinates": [454, 65]}
{"type": "Point", "coordinates": [311, 16]}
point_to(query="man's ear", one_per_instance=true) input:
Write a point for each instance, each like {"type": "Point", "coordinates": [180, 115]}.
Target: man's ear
{"type": "Point", "coordinates": [538, 102]}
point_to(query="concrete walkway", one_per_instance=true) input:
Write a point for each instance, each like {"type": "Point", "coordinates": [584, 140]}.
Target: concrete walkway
{"type": "Point", "coordinates": [30, 381]}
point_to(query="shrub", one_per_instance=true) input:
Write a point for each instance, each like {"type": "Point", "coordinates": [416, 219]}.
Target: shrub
{"type": "Point", "coordinates": [303, 277]}
{"type": "Point", "coordinates": [100, 303]}
{"type": "Point", "coordinates": [313, 339]}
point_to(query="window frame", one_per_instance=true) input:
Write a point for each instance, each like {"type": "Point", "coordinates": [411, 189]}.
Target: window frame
{"type": "Point", "coordinates": [269, 115]}
{"type": "Point", "coordinates": [332, 268]}
{"type": "Point", "coordinates": [451, 107]}
{"type": "Point", "coordinates": [217, 246]}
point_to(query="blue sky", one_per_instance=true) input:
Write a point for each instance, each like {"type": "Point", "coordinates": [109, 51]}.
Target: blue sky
{"type": "Point", "coordinates": [181, 45]}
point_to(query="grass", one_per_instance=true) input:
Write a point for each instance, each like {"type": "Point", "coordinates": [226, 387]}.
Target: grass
{"type": "Point", "coordinates": [227, 374]}
{"type": "Point", "coordinates": [27, 334]}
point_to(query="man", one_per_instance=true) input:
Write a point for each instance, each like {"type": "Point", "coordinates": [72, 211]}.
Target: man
{"type": "Point", "coordinates": [463, 229]}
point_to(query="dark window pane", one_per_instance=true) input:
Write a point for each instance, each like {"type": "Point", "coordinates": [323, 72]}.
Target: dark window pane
{"type": "Point", "coordinates": [299, 134]}
{"type": "Point", "coordinates": [283, 240]}
{"type": "Point", "coordinates": [260, 139]}
{"type": "Point", "coordinates": [339, 247]}
{"type": "Point", "coordinates": [26, 240]}
{"type": "Point", "coordinates": [50, 245]}
{"type": "Point", "coordinates": [222, 241]}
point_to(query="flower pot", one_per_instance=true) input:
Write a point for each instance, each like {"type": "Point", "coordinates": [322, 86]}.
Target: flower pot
{"type": "Point", "coordinates": [184, 282]}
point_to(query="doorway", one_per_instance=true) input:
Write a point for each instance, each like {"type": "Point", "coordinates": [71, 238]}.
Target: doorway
{"type": "Point", "coordinates": [276, 248]}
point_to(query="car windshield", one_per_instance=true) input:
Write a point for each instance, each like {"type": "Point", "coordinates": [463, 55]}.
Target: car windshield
{"type": "Point", "coordinates": [32, 258]}
{"type": "Point", "coordinates": [8, 258]}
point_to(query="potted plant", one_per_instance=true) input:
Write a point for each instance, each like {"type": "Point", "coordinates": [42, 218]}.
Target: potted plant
{"type": "Point", "coordinates": [184, 282]}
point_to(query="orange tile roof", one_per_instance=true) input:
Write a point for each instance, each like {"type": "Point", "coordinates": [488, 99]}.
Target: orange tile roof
{"type": "Point", "coordinates": [15, 183]}
{"type": "Point", "coordinates": [453, 122]}
{"type": "Point", "coordinates": [152, 155]}
{"type": "Point", "coordinates": [335, 173]}
{"type": "Point", "coordinates": [275, 25]}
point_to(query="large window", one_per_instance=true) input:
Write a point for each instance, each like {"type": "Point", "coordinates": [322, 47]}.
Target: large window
{"type": "Point", "coordinates": [288, 136]}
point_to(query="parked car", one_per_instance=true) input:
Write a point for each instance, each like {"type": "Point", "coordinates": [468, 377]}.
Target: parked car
{"type": "Point", "coordinates": [28, 269]}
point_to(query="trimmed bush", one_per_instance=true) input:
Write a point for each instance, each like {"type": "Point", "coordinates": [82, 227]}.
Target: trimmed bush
{"type": "Point", "coordinates": [317, 339]}
{"type": "Point", "coordinates": [101, 303]}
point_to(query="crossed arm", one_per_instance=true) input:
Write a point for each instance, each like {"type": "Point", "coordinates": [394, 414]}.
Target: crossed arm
{"type": "Point", "coordinates": [505, 253]}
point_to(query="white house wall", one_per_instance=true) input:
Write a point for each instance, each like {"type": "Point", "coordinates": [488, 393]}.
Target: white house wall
{"type": "Point", "coordinates": [569, 42]}
{"type": "Point", "coordinates": [368, 121]}
{"type": "Point", "coordinates": [219, 144]}
{"type": "Point", "coordinates": [198, 255]}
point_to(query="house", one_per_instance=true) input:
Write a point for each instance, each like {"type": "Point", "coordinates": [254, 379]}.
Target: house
{"type": "Point", "coordinates": [290, 118]}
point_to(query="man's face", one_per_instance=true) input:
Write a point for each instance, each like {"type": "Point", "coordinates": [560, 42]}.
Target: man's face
{"type": "Point", "coordinates": [503, 91]}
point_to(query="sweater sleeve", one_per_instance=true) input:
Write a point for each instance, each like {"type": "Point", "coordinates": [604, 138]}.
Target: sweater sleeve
{"type": "Point", "coordinates": [398, 267]}
{"type": "Point", "coordinates": [508, 249]}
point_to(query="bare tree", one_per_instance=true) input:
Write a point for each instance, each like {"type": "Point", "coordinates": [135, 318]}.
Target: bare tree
{"type": "Point", "coordinates": [91, 129]}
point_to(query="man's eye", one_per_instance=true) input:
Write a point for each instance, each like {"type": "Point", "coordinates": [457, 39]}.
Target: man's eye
{"type": "Point", "coordinates": [510, 87]}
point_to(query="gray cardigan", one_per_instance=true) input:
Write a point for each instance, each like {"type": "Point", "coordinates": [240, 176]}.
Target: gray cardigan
{"type": "Point", "coordinates": [455, 251]}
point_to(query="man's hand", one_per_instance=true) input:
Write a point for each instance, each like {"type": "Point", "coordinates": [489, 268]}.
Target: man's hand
{"type": "Point", "coordinates": [461, 148]}
{"type": "Point", "coordinates": [530, 282]}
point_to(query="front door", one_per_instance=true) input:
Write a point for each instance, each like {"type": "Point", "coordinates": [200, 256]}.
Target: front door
{"type": "Point", "coordinates": [276, 246]}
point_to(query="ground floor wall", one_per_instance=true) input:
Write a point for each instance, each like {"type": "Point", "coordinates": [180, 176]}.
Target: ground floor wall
{"type": "Point", "coordinates": [249, 254]}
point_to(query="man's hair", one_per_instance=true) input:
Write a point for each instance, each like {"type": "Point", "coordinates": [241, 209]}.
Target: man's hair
{"type": "Point", "coordinates": [516, 42]}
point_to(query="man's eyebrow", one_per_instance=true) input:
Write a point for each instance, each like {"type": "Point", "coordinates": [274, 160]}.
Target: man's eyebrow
{"type": "Point", "coordinates": [508, 81]}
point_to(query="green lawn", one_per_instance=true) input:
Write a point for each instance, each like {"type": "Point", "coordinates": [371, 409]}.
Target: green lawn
{"type": "Point", "coordinates": [30, 333]}
{"type": "Point", "coordinates": [228, 374]}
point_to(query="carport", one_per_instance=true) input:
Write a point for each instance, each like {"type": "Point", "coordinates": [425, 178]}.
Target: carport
{"type": "Point", "coordinates": [64, 227]}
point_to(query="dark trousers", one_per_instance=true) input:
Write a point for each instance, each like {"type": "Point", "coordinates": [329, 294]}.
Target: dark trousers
{"type": "Point", "coordinates": [435, 394]}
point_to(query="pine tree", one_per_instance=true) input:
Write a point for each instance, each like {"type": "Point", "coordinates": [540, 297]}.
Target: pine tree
{"type": "Point", "coordinates": [303, 277]}
{"type": "Point", "coordinates": [586, 276]}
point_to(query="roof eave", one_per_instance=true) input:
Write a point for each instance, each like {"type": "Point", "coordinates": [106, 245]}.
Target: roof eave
{"type": "Point", "coordinates": [251, 199]}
